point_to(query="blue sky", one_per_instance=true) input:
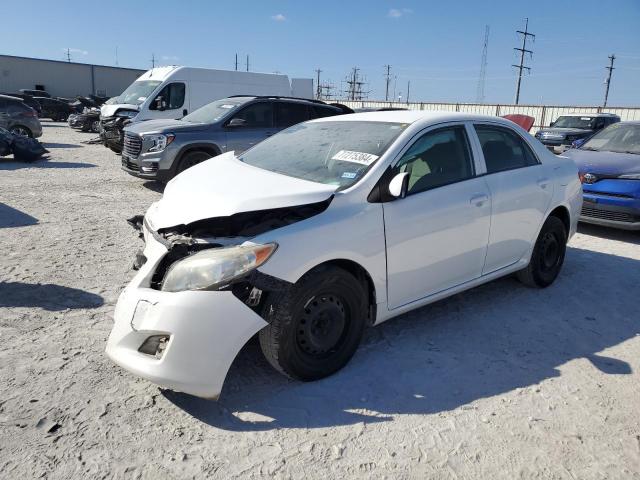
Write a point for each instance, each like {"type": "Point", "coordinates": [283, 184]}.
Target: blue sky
{"type": "Point", "coordinates": [437, 45]}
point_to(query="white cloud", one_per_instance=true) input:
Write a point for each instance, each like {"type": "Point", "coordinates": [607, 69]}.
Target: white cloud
{"type": "Point", "coordinates": [399, 12]}
{"type": "Point", "coordinates": [278, 17]}
{"type": "Point", "coordinates": [76, 50]}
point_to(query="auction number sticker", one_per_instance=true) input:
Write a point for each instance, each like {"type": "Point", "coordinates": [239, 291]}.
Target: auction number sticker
{"type": "Point", "coordinates": [361, 158]}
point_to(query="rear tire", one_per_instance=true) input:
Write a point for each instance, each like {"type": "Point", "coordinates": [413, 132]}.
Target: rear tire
{"type": "Point", "coordinates": [548, 255]}
{"type": "Point", "coordinates": [192, 158]}
{"type": "Point", "coordinates": [315, 327]}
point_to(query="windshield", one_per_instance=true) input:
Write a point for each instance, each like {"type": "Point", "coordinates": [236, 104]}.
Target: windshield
{"type": "Point", "coordinates": [334, 153]}
{"type": "Point", "coordinates": [137, 92]}
{"type": "Point", "coordinates": [618, 137]}
{"type": "Point", "coordinates": [585, 123]}
{"type": "Point", "coordinates": [213, 111]}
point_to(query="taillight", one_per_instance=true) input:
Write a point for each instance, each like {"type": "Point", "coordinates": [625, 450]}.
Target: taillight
{"type": "Point", "coordinates": [29, 113]}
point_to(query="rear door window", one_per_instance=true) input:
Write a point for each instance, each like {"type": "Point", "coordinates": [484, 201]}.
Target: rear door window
{"type": "Point", "coordinates": [503, 149]}
{"type": "Point", "coordinates": [289, 113]}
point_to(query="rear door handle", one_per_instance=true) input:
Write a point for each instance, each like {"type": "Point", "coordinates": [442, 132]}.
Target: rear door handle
{"type": "Point", "coordinates": [479, 200]}
{"type": "Point", "coordinates": [543, 183]}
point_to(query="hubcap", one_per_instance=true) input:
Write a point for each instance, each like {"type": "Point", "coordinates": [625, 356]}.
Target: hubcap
{"type": "Point", "coordinates": [550, 251]}
{"type": "Point", "coordinates": [322, 325]}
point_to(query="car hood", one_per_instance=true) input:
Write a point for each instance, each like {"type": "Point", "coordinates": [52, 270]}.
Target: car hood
{"type": "Point", "coordinates": [565, 131]}
{"type": "Point", "coordinates": [604, 163]}
{"type": "Point", "coordinates": [165, 125]}
{"type": "Point", "coordinates": [110, 110]}
{"type": "Point", "coordinates": [224, 186]}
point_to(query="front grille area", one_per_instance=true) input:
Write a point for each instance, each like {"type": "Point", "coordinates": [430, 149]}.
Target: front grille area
{"type": "Point", "coordinates": [592, 212]}
{"type": "Point", "coordinates": [132, 145]}
{"type": "Point", "coordinates": [130, 165]}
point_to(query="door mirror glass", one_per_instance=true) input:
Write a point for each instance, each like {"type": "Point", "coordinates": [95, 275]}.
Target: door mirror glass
{"type": "Point", "coordinates": [237, 122]}
{"type": "Point", "coordinates": [160, 103]}
{"type": "Point", "coordinates": [398, 185]}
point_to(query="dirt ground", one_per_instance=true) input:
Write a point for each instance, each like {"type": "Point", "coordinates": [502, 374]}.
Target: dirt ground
{"type": "Point", "coordinates": [501, 382]}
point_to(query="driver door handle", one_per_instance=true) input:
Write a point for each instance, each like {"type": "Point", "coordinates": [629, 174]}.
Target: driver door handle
{"type": "Point", "coordinates": [479, 200]}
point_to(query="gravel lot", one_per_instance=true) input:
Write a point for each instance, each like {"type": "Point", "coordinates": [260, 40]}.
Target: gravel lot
{"type": "Point", "coordinates": [499, 382]}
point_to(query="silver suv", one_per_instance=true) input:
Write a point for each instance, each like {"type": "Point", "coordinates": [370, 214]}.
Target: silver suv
{"type": "Point", "coordinates": [18, 118]}
{"type": "Point", "coordinates": [160, 149]}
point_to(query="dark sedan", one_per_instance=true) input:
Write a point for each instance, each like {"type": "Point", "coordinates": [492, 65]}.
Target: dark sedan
{"type": "Point", "coordinates": [609, 168]}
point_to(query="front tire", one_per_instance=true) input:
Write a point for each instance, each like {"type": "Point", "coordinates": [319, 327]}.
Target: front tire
{"type": "Point", "coordinates": [190, 159]}
{"type": "Point", "coordinates": [548, 255]}
{"type": "Point", "coordinates": [316, 326]}
{"type": "Point", "coordinates": [21, 131]}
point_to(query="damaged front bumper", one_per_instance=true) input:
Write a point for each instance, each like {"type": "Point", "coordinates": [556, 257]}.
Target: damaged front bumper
{"type": "Point", "coordinates": [185, 341]}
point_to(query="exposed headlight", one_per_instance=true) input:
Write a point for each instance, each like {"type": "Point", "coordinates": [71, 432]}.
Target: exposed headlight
{"type": "Point", "coordinates": [630, 176]}
{"type": "Point", "coordinates": [215, 267]}
{"type": "Point", "coordinates": [158, 142]}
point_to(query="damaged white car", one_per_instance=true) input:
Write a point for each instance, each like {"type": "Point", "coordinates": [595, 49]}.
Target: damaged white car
{"type": "Point", "coordinates": [331, 226]}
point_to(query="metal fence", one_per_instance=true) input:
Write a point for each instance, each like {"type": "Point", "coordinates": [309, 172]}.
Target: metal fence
{"type": "Point", "coordinates": [544, 114]}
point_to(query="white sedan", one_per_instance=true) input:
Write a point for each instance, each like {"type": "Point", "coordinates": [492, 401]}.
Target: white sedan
{"type": "Point", "coordinates": [331, 226]}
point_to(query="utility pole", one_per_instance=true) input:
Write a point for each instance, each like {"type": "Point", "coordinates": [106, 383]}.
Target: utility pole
{"type": "Point", "coordinates": [612, 58]}
{"type": "Point", "coordinates": [153, 60]}
{"type": "Point", "coordinates": [483, 67]}
{"type": "Point", "coordinates": [318, 89]}
{"type": "Point", "coordinates": [388, 81]}
{"type": "Point", "coordinates": [68, 55]}
{"type": "Point", "coordinates": [116, 55]}
{"type": "Point", "coordinates": [236, 62]}
{"type": "Point", "coordinates": [523, 50]}
{"type": "Point", "coordinates": [408, 86]}
{"type": "Point", "coordinates": [247, 63]}
{"type": "Point", "coordinates": [355, 84]}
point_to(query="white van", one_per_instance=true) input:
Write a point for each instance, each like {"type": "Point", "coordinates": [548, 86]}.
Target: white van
{"type": "Point", "coordinates": [174, 91]}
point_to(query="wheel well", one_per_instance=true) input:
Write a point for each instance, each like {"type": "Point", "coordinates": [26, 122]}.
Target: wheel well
{"type": "Point", "coordinates": [563, 214]}
{"type": "Point", "coordinates": [210, 149]}
{"type": "Point", "coordinates": [363, 276]}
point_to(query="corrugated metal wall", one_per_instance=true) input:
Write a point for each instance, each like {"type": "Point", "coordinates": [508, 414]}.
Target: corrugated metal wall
{"type": "Point", "coordinates": [544, 114]}
{"type": "Point", "coordinates": [63, 79]}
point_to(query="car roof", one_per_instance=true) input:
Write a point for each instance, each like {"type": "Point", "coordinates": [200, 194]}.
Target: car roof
{"type": "Point", "coordinates": [9, 97]}
{"type": "Point", "coordinates": [583, 114]}
{"type": "Point", "coordinates": [281, 98]}
{"type": "Point", "coordinates": [426, 117]}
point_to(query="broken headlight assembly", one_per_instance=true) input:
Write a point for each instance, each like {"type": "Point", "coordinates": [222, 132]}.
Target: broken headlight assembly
{"type": "Point", "coordinates": [158, 142]}
{"type": "Point", "coordinates": [213, 268]}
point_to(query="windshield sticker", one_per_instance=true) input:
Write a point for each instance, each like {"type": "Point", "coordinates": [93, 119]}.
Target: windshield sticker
{"type": "Point", "coordinates": [142, 99]}
{"type": "Point", "coordinates": [349, 175]}
{"type": "Point", "coordinates": [585, 118]}
{"type": "Point", "coordinates": [361, 158]}
{"type": "Point", "coordinates": [227, 106]}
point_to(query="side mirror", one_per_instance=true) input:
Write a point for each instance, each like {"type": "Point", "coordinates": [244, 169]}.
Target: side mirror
{"type": "Point", "coordinates": [160, 105]}
{"type": "Point", "coordinates": [399, 184]}
{"type": "Point", "coordinates": [237, 122]}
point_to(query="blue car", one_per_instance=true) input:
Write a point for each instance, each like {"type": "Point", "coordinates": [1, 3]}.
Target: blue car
{"type": "Point", "coordinates": [609, 168]}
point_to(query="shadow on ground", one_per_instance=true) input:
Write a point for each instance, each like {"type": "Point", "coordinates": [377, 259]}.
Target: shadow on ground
{"type": "Point", "coordinates": [154, 186]}
{"type": "Point", "coordinates": [11, 164]}
{"type": "Point", "coordinates": [61, 145]}
{"type": "Point", "coordinates": [11, 217]}
{"type": "Point", "coordinates": [609, 233]}
{"type": "Point", "coordinates": [478, 344]}
{"type": "Point", "coordinates": [47, 296]}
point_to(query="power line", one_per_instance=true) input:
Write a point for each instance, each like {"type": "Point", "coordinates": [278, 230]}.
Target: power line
{"type": "Point", "coordinates": [483, 67]}
{"type": "Point", "coordinates": [523, 50]}
{"type": "Point", "coordinates": [612, 59]}
{"type": "Point", "coordinates": [387, 81]}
